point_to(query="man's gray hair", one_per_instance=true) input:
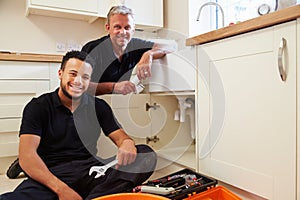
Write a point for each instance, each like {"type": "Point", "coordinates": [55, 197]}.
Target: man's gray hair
{"type": "Point", "coordinates": [120, 9]}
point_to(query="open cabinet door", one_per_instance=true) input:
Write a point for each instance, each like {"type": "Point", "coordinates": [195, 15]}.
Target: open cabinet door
{"type": "Point", "coordinates": [130, 111]}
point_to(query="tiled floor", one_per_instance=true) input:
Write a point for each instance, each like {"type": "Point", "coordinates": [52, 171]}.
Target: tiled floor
{"type": "Point", "coordinates": [7, 185]}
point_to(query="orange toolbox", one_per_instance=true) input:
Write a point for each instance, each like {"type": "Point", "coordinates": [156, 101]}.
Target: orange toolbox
{"type": "Point", "coordinates": [189, 185]}
{"type": "Point", "coordinates": [178, 185]}
{"type": "Point", "coordinates": [215, 193]}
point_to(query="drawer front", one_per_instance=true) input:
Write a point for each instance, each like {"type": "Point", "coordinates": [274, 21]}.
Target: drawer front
{"type": "Point", "coordinates": [10, 125]}
{"type": "Point", "coordinates": [9, 143]}
{"type": "Point", "coordinates": [9, 149]}
{"type": "Point", "coordinates": [241, 45]}
{"type": "Point", "coordinates": [23, 87]}
{"type": "Point", "coordinates": [24, 70]}
{"type": "Point", "coordinates": [14, 95]}
{"type": "Point", "coordinates": [11, 110]}
{"type": "Point", "coordinates": [54, 80]}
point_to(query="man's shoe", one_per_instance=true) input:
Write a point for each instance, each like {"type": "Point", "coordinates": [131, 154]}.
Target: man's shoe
{"type": "Point", "coordinates": [14, 169]}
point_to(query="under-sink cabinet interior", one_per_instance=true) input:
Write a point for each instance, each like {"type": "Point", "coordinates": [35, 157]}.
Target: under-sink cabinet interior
{"type": "Point", "coordinates": [151, 119]}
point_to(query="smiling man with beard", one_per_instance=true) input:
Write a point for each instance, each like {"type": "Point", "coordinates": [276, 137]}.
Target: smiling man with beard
{"type": "Point", "coordinates": [58, 142]}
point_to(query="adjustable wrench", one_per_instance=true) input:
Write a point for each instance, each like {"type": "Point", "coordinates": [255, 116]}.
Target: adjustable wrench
{"type": "Point", "coordinates": [102, 169]}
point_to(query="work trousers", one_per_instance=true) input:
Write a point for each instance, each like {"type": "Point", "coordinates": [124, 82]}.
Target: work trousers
{"type": "Point", "coordinates": [75, 174]}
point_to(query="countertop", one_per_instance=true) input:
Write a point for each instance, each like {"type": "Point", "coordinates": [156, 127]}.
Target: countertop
{"type": "Point", "coordinates": [8, 56]}
{"type": "Point", "coordinates": [260, 22]}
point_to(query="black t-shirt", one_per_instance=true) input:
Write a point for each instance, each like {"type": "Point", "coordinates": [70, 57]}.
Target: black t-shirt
{"type": "Point", "coordinates": [67, 136]}
{"type": "Point", "coordinates": [108, 68]}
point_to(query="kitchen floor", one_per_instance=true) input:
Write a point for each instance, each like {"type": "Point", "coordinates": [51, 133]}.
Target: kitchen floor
{"type": "Point", "coordinates": [8, 185]}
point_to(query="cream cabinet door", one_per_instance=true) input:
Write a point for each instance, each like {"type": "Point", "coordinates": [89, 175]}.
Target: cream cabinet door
{"type": "Point", "coordinates": [77, 5]}
{"type": "Point", "coordinates": [146, 13]}
{"type": "Point", "coordinates": [249, 139]}
{"type": "Point", "coordinates": [86, 10]}
{"type": "Point", "coordinates": [130, 111]}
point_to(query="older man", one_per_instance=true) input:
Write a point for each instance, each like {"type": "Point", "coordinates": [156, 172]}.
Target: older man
{"type": "Point", "coordinates": [118, 53]}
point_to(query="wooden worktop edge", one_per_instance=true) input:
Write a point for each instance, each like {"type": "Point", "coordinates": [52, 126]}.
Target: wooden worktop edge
{"type": "Point", "coordinates": [30, 57]}
{"type": "Point", "coordinates": [264, 21]}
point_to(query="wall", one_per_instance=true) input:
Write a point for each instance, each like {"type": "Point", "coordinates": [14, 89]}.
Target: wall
{"type": "Point", "coordinates": [39, 34]}
{"type": "Point", "coordinates": [176, 15]}
{"type": "Point", "coordinates": [181, 16]}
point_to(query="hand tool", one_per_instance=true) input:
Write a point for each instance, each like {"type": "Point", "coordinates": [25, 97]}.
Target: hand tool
{"type": "Point", "coordinates": [157, 190]}
{"type": "Point", "coordinates": [100, 170]}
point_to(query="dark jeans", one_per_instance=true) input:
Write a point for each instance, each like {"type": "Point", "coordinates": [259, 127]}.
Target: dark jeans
{"type": "Point", "coordinates": [75, 174]}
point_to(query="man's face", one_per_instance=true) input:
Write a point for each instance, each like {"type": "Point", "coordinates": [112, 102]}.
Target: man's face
{"type": "Point", "coordinates": [120, 29]}
{"type": "Point", "coordinates": [75, 78]}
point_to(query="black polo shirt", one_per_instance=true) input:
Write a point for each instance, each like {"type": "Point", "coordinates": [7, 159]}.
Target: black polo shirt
{"type": "Point", "coordinates": [67, 136]}
{"type": "Point", "coordinates": [108, 68]}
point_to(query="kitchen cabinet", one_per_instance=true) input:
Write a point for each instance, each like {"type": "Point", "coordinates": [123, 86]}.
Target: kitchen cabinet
{"type": "Point", "coordinates": [19, 83]}
{"type": "Point", "coordinates": [146, 13]}
{"type": "Point", "coordinates": [75, 9]}
{"type": "Point", "coordinates": [248, 112]}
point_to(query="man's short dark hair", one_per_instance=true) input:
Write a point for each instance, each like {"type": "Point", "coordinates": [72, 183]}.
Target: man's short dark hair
{"type": "Point", "coordinates": [81, 55]}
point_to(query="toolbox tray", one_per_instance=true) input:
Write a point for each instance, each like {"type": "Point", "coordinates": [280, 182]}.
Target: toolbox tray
{"type": "Point", "coordinates": [206, 183]}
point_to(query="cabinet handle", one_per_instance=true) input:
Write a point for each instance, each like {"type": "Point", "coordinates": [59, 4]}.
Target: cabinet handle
{"type": "Point", "coordinates": [280, 59]}
{"type": "Point", "coordinates": [154, 106]}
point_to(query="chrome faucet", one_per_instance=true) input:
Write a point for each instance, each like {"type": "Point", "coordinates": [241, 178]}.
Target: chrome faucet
{"type": "Point", "coordinates": [214, 4]}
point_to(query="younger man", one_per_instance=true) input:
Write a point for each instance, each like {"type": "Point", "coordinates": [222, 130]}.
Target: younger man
{"type": "Point", "coordinates": [58, 142]}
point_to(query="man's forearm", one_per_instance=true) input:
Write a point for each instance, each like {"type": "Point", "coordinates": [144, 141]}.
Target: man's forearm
{"type": "Point", "coordinates": [33, 165]}
{"type": "Point", "coordinates": [100, 88]}
{"type": "Point", "coordinates": [157, 53]}
{"type": "Point", "coordinates": [160, 50]}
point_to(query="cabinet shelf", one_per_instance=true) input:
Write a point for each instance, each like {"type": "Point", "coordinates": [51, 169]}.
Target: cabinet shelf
{"type": "Point", "coordinates": [177, 93]}
{"type": "Point", "coordinates": [187, 159]}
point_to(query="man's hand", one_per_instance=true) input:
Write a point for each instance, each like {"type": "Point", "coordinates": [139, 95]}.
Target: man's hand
{"type": "Point", "coordinates": [124, 87]}
{"type": "Point", "coordinates": [67, 193]}
{"type": "Point", "coordinates": [144, 65]}
{"type": "Point", "coordinates": [127, 153]}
